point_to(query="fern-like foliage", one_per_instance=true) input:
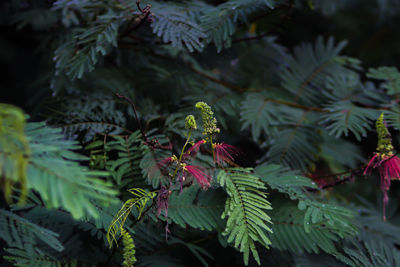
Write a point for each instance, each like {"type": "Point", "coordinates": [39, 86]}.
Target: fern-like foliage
{"type": "Point", "coordinates": [390, 77]}
{"type": "Point", "coordinates": [174, 25]}
{"type": "Point", "coordinates": [89, 118]}
{"type": "Point", "coordinates": [291, 112]}
{"type": "Point", "coordinates": [35, 258]}
{"type": "Point", "coordinates": [344, 114]}
{"type": "Point", "coordinates": [54, 172]}
{"type": "Point", "coordinates": [295, 185]}
{"type": "Point", "coordinates": [290, 234]}
{"type": "Point", "coordinates": [376, 245]}
{"type": "Point", "coordinates": [126, 167]}
{"type": "Point", "coordinates": [313, 225]}
{"type": "Point", "coordinates": [245, 209]}
{"type": "Point", "coordinates": [197, 209]}
{"type": "Point", "coordinates": [18, 232]}
{"type": "Point", "coordinates": [295, 145]}
{"type": "Point", "coordinates": [81, 53]}
{"type": "Point", "coordinates": [289, 131]}
{"type": "Point", "coordinates": [345, 117]}
{"type": "Point", "coordinates": [135, 161]}
{"type": "Point", "coordinates": [323, 59]}
{"type": "Point", "coordinates": [139, 201]}
{"type": "Point", "coordinates": [220, 22]}
{"type": "Point", "coordinates": [261, 115]}
{"type": "Point", "coordinates": [284, 180]}
{"type": "Point", "coordinates": [332, 152]}
{"type": "Point", "coordinates": [392, 117]}
{"type": "Point", "coordinates": [371, 254]}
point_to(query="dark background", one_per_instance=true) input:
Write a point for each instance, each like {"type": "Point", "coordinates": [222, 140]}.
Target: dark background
{"type": "Point", "coordinates": [372, 33]}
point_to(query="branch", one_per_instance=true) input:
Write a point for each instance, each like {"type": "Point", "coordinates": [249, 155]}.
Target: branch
{"type": "Point", "coordinates": [240, 90]}
{"type": "Point", "coordinates": [154, 143]}
{"type": "Point", "coordinates": [144, 15]}
{"type": "Point", "coordinates": [352, 173]}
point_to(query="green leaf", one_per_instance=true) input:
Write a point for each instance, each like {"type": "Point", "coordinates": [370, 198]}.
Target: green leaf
{"type": "Point", "coordinates": [60, 180]}
{"type": "Point", "coordinates": [390, 76]}
{"type": "Point", "coordinates": [197, 209]}
{"type": "Point", "coordinates": [245, 211]}
{"type": "Point", "coordinates": [18, 232]}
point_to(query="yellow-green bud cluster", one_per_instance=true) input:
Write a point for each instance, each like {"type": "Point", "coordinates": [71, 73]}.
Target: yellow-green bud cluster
{"type": "Point", "coordinates": [384, 139]}
{"type": "Point", "coordinates": [190, 122]}
{"type": "Point", "coordinates": [129, 249]}
{"type": "Point", "coordinates": [209, 121]}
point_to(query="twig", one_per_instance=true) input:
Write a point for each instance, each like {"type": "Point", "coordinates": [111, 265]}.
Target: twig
{"type": "Point", "coordinates": [279, 25]}
{"type": "Point", "coordinates": [154, 143]}
{"type": "Point", "coordinates": [134, 110]}
{"type": "Point", "coordinates": [147, 14]}
{"type": "Point", "coordinates": [351, 172]}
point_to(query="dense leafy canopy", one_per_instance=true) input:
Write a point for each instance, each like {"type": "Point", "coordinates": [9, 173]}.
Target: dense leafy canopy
{"type": "Point", "coordinates": [103, 164]}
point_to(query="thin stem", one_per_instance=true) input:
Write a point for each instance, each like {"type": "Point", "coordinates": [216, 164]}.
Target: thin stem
{"type": "Point", "coordinates": [184, 146]}
{"type": "Point", "coordinates": [212, 146]}
{"type": "Point", "coordinates": [182, 151]}
{"type": "Point", "coordinates": [135, 112]}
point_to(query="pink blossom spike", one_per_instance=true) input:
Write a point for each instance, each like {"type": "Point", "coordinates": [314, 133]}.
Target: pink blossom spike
{"type": "Point", "coordinates": [224, 153]}
{"type": "Point", "coordinates": [195, 148]}
{"type": "Point", "coordinates": [370, 163]}
{"type": "Point", "coordinates": [192, 151]}
{"type": "Point", "coordinates": [393, 167]}
{"type": "Point", "coordinates": [202, 178]}
{"type": "Point", "coordinates": [389, 169]}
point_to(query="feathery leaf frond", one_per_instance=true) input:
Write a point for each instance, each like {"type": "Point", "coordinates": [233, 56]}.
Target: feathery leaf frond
{"type": "Point", "coordinates": [245, 209]}
{"type": "Point", "coordinates": [198, 209]}
{"type": "Point", "coordinates": [139, 201]}
{"type": "Point", "coordinates": [18, 232]}
{"type": "Point", "coordinates": [61, 181]}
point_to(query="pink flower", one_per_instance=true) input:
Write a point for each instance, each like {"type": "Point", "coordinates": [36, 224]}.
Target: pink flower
{"type": "Point", "coordinates": [389, 169]}
{"type": "Point", "coordinates": [202, 178]}
{"type": "Point", "coordinates": [192, 151]}
{"type": "Point", "coordinates": [195, 148]}
{"type": "Point", "coordinates": [224, 153]}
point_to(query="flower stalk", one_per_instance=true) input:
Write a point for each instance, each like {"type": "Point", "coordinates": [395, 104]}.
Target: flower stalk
{"type": "Point", "coordinates": [385, 160]}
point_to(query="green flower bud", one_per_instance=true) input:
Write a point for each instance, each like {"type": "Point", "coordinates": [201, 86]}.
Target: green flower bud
{"type": "Point", "coordinates": [384, 139]}
{"type": "Point", "coordinates": [190, 122]}
{"type": "Point", "coordinates": [207, 116]}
